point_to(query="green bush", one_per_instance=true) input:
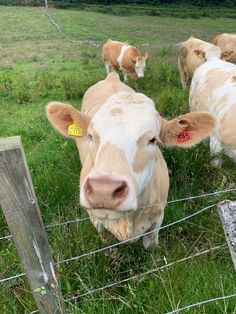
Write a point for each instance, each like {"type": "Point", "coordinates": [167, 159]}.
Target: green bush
{"type": "Point", "coordinates": [22, 88]}
{"type": "Point", "coordinates": [73, 86]}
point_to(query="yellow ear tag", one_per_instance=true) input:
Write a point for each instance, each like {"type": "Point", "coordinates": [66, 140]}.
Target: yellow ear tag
{"type": "Point", "coordinates": [75, 129]}
{"type": "Point", "coordinates": [201, 54]}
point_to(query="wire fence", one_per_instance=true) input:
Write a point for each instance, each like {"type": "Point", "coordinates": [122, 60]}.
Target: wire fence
{"type": "Point", "coordinates": [151, 271]}
{"type": "Point", "coordinates": [96, 251]}
{"type": "Point", "coordinates": [188, 198]}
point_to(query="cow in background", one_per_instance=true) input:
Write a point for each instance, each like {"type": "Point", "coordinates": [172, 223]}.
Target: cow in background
{"type": "Point", "coordinates": [124, 179]}
{"type": "Point", "coordinates": [192, 54]}
{"type": "Point", "coordinates": [118, 55]}
{"type": "Point", "coordinates": [227, 43]}
{"type": "Point", "coordinates": [213, 89]}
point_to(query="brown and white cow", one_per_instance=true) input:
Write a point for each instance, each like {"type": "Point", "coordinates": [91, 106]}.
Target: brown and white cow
{"type": "Point", "coordinates": [227, 43]}
{"type": "Point", "coordinates": [193, 53]}
{"type": "Point", "coordinates": [124, 180]}
{"type": "Point", "coordinates": [213, 89]}
{"type": "Point", "coordinates": [118, 55]}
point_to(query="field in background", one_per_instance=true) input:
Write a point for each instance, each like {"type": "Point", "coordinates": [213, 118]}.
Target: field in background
{"type": "Point", "coordinates": [38, 65]}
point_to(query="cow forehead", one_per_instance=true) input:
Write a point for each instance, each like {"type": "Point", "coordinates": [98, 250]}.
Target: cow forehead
{"type": "Point", "coordinates": [126, 114]}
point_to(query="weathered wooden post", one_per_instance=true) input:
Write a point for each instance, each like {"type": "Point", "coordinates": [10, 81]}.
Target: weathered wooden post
{"type": "Point", "coordinates": [227, 212]}
{"type": "Point", "coordinates": [21, 210]}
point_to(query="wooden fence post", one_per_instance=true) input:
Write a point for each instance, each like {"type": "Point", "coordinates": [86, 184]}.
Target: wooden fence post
{"type": "Point", "coordinates": [227, 212]}
{"type": "Point", "coordinates": [21, 210]}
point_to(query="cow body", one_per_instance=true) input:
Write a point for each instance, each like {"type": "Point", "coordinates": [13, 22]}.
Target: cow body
{"type": "Point", "coordinates": [227, 43]}
{"type": "Point", "coordinates": [213, 89]}
{"type": "Point", "coordinates": [124, 179]}
{"type": "Point", "coordinates": [118, 55]}
{"type": "Point", "coordinates": [192, 54]}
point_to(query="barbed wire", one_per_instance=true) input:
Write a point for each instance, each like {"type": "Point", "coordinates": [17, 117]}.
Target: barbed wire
{"type": "Point", "coordinates": [145, 206]}
{"type": "Point", "coordinates": [143, 274]}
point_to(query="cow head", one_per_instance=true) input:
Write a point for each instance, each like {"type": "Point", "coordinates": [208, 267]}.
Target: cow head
{"type": "Point", "coordinates": [118, 146]}
{"type": "Point", "coordinates": [210, 52]}
{"type": "Point", "coordinates": [140, 64]}
{"type": "Point", "coordinates": [214, 52]}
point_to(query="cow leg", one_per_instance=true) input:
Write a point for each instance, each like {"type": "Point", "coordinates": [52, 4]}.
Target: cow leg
{"type": "Point", "coordinates": [216, 150]}
{"type": "Point", "coordinates": [151, 240]}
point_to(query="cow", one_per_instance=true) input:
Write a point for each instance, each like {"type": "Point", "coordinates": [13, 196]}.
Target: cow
{"type": "Point", "coordinates": [213, 89]}
{"type": "Point", "coordinates": [118, 55]}
{"type": "Point", "coordinates": [124, 179]}
{"type": "Point", "coordinates": [193, 53]}
{"type": "Point", "coordinates": [227, 43]}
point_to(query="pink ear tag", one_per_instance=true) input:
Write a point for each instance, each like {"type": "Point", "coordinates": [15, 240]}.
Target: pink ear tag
{"type": "Point", "coordinates": [183, 136]}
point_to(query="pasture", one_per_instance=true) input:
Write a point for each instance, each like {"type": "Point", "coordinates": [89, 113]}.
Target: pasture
{"type": "Point", "coordinates": [38, 64]}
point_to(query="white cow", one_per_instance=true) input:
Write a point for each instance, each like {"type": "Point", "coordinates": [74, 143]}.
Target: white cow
{"type": "Point", "coordinates": [213, 89]}
{"type": "Point", "coordinates": [124, 180]}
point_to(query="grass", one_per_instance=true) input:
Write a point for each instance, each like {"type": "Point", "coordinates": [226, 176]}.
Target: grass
{"type": "Point", "coordinates": [38, 65]}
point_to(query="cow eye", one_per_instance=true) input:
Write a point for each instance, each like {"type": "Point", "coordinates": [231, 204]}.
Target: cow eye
{"type": "Point", "coordinates": [152, 141]}
{"type": "Point", "coordinates": [90, 138]}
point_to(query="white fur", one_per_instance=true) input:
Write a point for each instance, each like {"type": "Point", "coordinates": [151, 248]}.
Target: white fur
{"type": "Point", "coordinates": [227, 90]}
{"type": "Point", "coordinates": [120, 58]}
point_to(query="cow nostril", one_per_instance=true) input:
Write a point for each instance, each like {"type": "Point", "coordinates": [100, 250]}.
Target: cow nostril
{"type": "Point", "coordinates": [88, 188]}
{"type": "Point", "coordinates": [120, 191]}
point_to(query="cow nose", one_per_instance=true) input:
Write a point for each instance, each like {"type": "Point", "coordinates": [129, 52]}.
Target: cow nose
{"type": "Point", "coordinates": [141, 76]}
{"type": "Point", "coordinates": [105, 193]}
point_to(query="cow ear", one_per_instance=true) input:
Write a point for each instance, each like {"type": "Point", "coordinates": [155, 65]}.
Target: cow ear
{"type": "Point", "coordinates": [146, 55]}
{"type": "Point", "coordinates": [67, 120]}
{"type": "Point", "coordinates": [186, 130]}
{"type": "Point", "coordinates": [200, 54]}
{"type": "Point", "coordinates": [135, 59]}
{"type": "Point", "coordinates": [226, 54]}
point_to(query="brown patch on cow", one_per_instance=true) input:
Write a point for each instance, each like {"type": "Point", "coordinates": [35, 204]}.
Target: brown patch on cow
{"type": "Point", "coordinates": [119, 164]}
{"type": "Point", "coordinates": [233, 79]}
{"type": "Point", "coordinates": [116, 111]}
{"type": "Point", "coordinates": [215, 78]}
{"type": "Point", "coordinates": [142, 156]}
{"type": "Point", "coordinates": [227, 130]}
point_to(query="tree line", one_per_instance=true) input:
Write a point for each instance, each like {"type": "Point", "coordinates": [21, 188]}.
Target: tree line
{"type": "Point", "coordinates": [77, 3]}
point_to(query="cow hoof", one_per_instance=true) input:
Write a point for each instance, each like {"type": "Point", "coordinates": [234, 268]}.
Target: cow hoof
{"type": "Point", "coordinates": [150, 241]}
{"type": "Point", "coordinates": [216, 162]}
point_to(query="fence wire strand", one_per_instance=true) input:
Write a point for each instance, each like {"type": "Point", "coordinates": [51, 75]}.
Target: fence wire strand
{"type": "Point", "coordinates": [202, 302]}
{"type": "Point", "coordinates": [146, 206]}
{"type": "Point", "coordinates": [133, 238]}
{"type": "Point", "coordinates": [11, 278]}
{"type": "Point", "coordinates": [144, 274]}
{"type": "Point", "coordinates": [115, 244]}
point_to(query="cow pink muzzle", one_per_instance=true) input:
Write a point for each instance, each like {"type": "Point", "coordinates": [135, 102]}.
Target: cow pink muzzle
{"type": "Point", "coordinates": [105, 192]}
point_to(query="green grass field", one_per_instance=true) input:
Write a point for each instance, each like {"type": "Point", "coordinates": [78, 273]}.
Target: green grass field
{"type": "Point", "coordinates": [38, 65]}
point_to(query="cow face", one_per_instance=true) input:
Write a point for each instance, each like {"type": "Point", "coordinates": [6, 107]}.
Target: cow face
{"type": "Point", "coordinates": [140, 64]}
{"type": "Point", "coordinates": [118, 146]}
